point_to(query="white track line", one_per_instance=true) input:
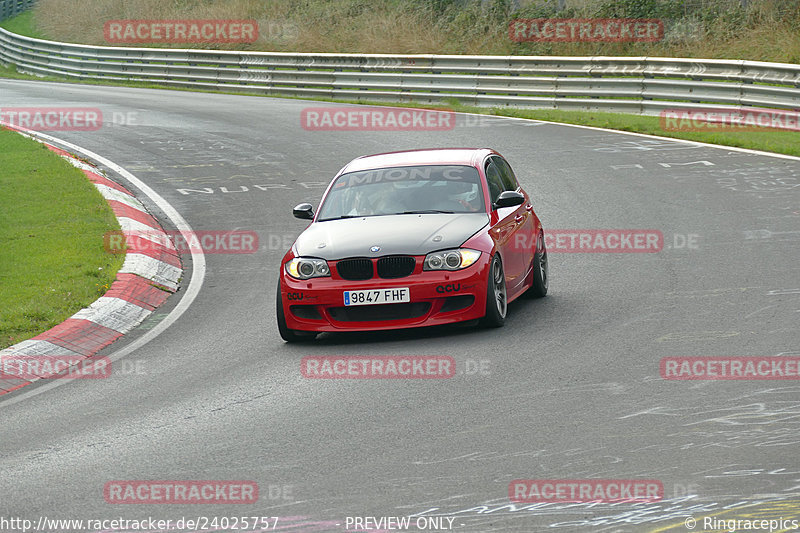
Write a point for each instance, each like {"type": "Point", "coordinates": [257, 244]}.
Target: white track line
{"type": "Point", "coordinates": [198, 263]}
{"type": "Point", "coordinates": [648, 135]}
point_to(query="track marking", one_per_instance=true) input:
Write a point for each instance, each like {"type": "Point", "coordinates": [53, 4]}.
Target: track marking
{"type": "Point", "coordinates": [198, 262]}
{"type": "Point", "coordinates": [649, 136]}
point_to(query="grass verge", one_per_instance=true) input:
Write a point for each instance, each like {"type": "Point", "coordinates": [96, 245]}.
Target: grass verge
{"type": "Point", "coordinates": [763, 30]}
{"type": "Point", "coordinates": [778, 141]}
{"type": "Point", "coordinates": [23, 24]}
{"type": "Point", "coordinates": [52, 261]}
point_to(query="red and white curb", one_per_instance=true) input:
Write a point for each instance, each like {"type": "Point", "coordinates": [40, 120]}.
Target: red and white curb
{"type": "Point", "coordinates": [150, 273]}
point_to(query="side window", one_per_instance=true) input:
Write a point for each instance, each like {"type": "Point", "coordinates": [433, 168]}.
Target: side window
{"type": "Point", "coordinates": [509, 181]}
{"type": "Point", "coordinates": [494, 180]}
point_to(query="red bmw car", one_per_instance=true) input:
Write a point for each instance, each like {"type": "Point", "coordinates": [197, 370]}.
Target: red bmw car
{"type": "Point", "coordinates": [409, 239]}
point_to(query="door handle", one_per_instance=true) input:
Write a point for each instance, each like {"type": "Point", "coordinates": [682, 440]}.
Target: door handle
{"type": "Point", "coordinates": [518, 219]}
{"type": "Point", "coordinates": [529, 207]}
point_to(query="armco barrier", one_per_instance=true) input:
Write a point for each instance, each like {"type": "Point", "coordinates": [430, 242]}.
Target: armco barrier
{"type": "Point", "coordinates": [10, 8]}
{"type": "Point", "coordinates": [641, 85]}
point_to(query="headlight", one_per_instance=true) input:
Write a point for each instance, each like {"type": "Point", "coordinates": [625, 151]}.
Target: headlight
{"type": "Point", "coordinates": [307, 267]}
{"type": "Point", "coordinates": [451, 259]}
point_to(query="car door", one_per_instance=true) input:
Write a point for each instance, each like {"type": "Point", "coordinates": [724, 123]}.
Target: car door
{"type": "Point", "coordinates": [505, 227]}
{"type": "Point", "coordinates": [525, 233]}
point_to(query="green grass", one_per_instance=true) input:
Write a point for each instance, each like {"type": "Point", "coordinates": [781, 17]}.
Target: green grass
{"type": "Point", "coordinates": [782, 142]}
{"type": "Point", "coordinates": [23, 25]}
{"type": "Point", "coordinates": [52, 260]}
{"type": "Point", "coordinates": [763, 30]}
{"type": "Point", "coordinates": [10, 72]}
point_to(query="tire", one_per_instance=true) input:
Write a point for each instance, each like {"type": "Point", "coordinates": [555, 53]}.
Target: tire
{"type": "Point", "coordinates": [496, 295]}
{"type": "Point", "coordinates": [541, 274]}
{"type": "Point", "coordinates": [289, 335]}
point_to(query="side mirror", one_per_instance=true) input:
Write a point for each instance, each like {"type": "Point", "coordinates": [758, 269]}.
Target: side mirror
{"type": "Point", "coordinates": [304, 211]}
{"type": "Point", "coordinates": [509, 199]}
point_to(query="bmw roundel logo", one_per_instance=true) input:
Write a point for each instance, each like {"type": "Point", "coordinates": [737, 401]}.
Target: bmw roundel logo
{"type": "Point", "coordinates": [375, 249]}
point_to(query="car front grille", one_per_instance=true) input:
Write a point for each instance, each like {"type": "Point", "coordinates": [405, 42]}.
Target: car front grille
{"type": "Point", "coordinates": [372, 313]}
{"type": "Point", "coordinates": [389, 267]}
{"type": "Point", "coordinates": [355, 269]}
{"type": "Point", "coordinates": [396, 266]}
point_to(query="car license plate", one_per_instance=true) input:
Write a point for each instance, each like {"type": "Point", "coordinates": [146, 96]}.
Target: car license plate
{"type": "Point", "coordinates": [377, 296]}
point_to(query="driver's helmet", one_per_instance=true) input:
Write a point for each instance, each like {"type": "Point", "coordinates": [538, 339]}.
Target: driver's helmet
{"type": "Point", "coordinates": [462, 191]}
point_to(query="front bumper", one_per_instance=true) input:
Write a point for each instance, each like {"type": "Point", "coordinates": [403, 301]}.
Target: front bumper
{"type": "Point", "coordinates": [437, 297]}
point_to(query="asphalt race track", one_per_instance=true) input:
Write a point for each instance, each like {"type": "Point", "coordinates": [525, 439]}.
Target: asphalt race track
{"type": "Point", "coordinates": [569, 389]}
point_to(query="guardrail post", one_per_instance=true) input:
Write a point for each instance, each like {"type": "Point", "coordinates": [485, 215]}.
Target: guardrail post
{"type": "Point", "coordinates": [10, 8]}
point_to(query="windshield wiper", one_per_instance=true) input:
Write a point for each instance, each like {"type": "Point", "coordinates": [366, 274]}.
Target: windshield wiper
{"type": "Point", "coordinates": [421, 212]}
{"type": "Point", "coordinates": [341, 217]}
{"type": "Point", "coordinates": [425, 212]}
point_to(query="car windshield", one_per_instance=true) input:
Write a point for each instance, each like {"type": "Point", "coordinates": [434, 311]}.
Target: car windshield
{"type": "Point", "coordinates": [404, 190]}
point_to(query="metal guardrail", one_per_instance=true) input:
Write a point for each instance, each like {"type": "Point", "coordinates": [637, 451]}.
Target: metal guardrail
{"type": "Point", "coordinates": [10, 8]}
{"type": "Point", "coordinates": [641, 85]}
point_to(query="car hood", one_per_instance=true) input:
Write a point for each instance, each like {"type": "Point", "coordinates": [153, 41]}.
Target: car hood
{"type": "Point", "coordinates": [394, 234]}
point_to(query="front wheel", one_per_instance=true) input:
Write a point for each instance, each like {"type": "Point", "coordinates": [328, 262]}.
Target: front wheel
{"type": "Point", "coordinates": [496, 296]}
{"type": "Point", "coordinates": [289, 335]}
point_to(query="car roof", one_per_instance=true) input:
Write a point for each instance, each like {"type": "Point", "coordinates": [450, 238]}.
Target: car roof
{"type": "Point", "coordinates": [431, 156]}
